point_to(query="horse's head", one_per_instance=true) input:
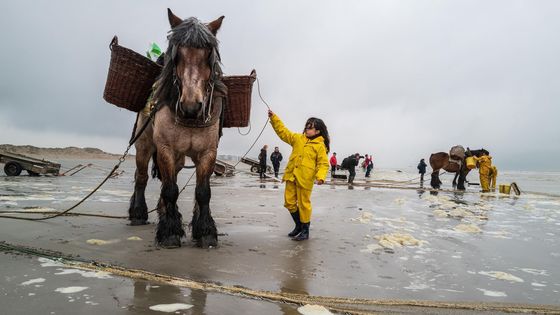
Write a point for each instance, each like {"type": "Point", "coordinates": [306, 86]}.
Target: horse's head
{"type": "Point", "coordinates": [477, 153]}
{"type": "Point", "coordinates": [192, 66]}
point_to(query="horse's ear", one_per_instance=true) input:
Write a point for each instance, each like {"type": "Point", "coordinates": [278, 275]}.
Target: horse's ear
{"type": "Point", "coordinates": [215, 25]}
{"type": "Point", "coordinates": [173, 19]}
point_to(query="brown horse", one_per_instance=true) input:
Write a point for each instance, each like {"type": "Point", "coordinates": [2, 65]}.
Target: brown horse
{"type": "Point", "coordinates": [187, 122]}
{"type": "Point", "coordinates": [440, 160]}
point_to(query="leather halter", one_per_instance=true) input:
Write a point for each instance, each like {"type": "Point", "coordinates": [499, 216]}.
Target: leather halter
{"type": "Point", "coordinates": [210, 113]}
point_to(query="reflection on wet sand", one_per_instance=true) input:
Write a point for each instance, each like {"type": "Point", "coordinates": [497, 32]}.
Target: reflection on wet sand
{"type": "Point", "coordinates": [294, 278]}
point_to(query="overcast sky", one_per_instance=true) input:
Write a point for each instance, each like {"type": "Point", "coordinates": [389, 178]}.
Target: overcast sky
{"type": "Point", "coordinates": [397, 79]}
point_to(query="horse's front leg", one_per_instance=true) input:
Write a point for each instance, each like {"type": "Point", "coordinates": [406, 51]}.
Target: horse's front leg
{"type": "Point", "coordinates": [204, 230]}
{"type": "Point", "coordinates": [170, 227]}
{"type": "Point", "coordinates": [455, 180]}
{"type": "Point", "coordinates": [462, 179]}
{"type": "Point", "coordinates": [138, 210]}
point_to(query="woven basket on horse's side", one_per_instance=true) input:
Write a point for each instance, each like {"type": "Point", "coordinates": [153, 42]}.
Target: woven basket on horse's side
{"type": "Point", "coordinates": [238, 109]}
{"type": "Point", "coordinates": [130, 78]}
{"type": "Point", "coordinates": [132, 75]}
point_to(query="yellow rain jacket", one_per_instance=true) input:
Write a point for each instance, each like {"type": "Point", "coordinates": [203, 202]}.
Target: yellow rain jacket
{"type": "Point", "coordinates": [484, 164]}
{"type": "Point", "coordinates": [308, 161]}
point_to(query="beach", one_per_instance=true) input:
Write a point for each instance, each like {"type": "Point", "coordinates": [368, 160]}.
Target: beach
{"type": "Point", "coordinates": [367, 241]}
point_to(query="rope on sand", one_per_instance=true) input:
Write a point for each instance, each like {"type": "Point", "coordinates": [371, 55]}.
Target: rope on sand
{"type": "Point", "coordinates": [338, 304]}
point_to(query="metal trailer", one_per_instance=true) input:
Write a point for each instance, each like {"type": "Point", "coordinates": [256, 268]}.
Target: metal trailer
{"type": "Point", "coordinates": [15, 163]}
{"type": "Point", "coordinates": [255, 165]}
{"type": "Point", "coordinates": [222, 168]}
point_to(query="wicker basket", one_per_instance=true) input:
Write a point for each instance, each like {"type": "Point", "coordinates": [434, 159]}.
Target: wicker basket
{"type": "Point", "coordinates": [238, 107]}
{"type": "Point", "coordinates": [130, 78]}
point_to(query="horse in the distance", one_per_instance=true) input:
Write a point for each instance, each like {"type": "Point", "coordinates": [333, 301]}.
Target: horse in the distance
{"type": "Point", "coordinates": [442, 160]}
{"type": "Point", "coordinates": [188, 99]}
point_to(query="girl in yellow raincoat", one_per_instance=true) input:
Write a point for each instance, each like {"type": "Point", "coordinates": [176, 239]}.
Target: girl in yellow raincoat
{"type": "Point", "coordinates": [308, 162]}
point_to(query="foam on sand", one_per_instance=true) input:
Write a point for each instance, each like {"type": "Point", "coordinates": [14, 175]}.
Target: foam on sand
{"type": "Point", "coordinates": [468, 228]}
{"type": "Point", "coordinates": [309, 309]}
{"type": "Point", "coordinates": [86, 274]}
{"type": "Point", "coordinates": [501, 275]}
{"type": "Point", "coordinates": [440, 213]}
{"type": "Point", "coordinates": [94, 241]}
{"type": "Point", "coordinates": [33, 281]}
{"type": "Point", "coordinates": [170, 308]}
{"type": "Point", "coordinates": [364, 217]}
{"type": "Point", "coordinates": [68, 290]}
{"type": "Point", "coordinates": [492, 293]}
{"type": "Point", "coordinates": [45, 262]}
{"type": "Point", "coordinates": [393, 240]}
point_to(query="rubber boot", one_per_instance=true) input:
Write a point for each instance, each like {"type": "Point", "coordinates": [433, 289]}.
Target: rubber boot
{"type": "Point", "coordinates": [297, 229]}
{"type": "Point", "coordinates": [304, 234]}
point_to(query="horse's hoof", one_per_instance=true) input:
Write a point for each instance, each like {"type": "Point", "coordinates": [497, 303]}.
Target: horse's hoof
{"type": "Point", "coordinates": [207, 241]}
{"type": "Point", "coordinates": [135, 222]}
{"type": "Point", "coordinates": [173, 241]}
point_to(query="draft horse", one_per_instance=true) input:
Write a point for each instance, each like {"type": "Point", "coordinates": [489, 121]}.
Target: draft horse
{"type": "Point", "coordinates": [188, 99]}
{"type": "Point", "coordinates": [441, 160]}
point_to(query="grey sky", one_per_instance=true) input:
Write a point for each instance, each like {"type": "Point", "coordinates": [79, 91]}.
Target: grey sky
{"type": "Point", "coordinates": [398, 79]}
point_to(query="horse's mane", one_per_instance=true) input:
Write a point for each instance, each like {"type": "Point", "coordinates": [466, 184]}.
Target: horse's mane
{"type": "Point", "coordinates": [190, 33]}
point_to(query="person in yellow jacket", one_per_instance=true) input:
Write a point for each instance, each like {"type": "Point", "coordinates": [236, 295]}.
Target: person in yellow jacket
{"type": "Point", "coordinates": [308, 162]}
{"type": "Point", "coordinates": [484, 168]}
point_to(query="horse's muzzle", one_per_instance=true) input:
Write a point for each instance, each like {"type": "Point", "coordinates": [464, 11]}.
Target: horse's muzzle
{"type": "Point", "coordinates": [192, 111]}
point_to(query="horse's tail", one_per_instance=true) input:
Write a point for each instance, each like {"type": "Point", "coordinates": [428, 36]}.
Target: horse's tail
{"type": "Point", "coordinates": [155, 167]}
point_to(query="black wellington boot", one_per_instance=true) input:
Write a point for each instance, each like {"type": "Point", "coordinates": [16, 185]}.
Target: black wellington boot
{"type": "Point", "coordinates": [304, 234]}
{"type": "Point", "coordinates": [297, 229]}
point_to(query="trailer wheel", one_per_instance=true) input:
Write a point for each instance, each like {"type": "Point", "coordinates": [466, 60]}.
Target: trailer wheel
{"type": "Point", "coordinates": [254, 169]}
{"type": "Point", "coordinates": [12, 169]}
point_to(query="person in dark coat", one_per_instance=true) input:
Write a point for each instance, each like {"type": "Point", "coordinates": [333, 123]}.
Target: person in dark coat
{"type": "Point", "coordinates": [353, 161]}
{"type": "Point", "coordinates": [276, 157]}
{"type": "Point", "coordinates": [262, 162]}
{"type": "Point", "coordinates": [422, 170]}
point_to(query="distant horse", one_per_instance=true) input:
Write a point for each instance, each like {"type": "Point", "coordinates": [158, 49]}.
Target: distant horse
{"type": "Point", "coordinates": [188, 99]}
{"type": "Point", "coordinates": [441, 160]}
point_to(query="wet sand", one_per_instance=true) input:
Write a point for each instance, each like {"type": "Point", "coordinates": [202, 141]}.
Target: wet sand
{"type": "Point", "coordinates": [41, 286]}
{"type": "Point", "coordinates": [508, 252]}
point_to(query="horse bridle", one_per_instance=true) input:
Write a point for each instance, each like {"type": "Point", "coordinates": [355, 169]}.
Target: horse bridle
{"type": "Point", "coordinates": [206, 114]}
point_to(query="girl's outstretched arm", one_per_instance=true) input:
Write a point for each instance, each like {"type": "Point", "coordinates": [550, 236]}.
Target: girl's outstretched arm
{"type": "Point", "coordinates": [283, 133]}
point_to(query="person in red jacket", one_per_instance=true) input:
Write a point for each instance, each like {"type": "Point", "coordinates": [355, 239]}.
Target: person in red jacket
{"type": "Point", "coordinates": [333, 163]}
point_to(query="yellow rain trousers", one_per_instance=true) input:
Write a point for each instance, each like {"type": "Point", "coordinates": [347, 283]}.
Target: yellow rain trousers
{"type": "Point", "coordinates": [297, 197]}
{"type": "Point", "coordinates": [308, 162]}
{"type": "Point", "coordinates": [484, 166]}
{"type": "Point", "coordinates": [493, 177]}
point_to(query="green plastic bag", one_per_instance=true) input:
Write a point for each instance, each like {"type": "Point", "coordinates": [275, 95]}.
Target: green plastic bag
{"type": "Point", "coordinates": [153, 52]}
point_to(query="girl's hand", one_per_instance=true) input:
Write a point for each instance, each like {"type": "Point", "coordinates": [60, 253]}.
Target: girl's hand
{"type": "Point", "coordinates": [320, 182]}
{"type": "Point", "coordinates": [270, 113]}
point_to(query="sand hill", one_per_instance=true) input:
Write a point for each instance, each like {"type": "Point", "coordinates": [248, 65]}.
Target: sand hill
{"type": "Point", "coordinates": [58, 153]}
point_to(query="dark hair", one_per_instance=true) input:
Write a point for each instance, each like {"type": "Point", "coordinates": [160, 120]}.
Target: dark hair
{"type": "Point", "coordinates": [320, 126]}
